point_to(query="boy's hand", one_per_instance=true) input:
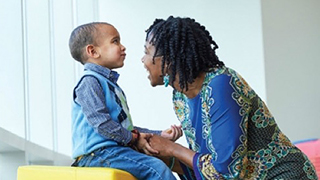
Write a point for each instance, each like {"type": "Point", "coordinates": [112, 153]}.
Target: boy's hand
{"type": "Point", "coordinates": [173, 133]}
{"type": "Point", "coordinates": [144, 146]}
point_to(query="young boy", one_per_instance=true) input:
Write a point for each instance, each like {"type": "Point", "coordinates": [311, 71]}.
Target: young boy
{"type": "Point", "coordinates": [102, 131]}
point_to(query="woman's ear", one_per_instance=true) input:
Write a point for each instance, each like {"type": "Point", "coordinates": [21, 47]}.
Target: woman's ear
{"type": "Point", "coordinates": [167, 68]}
{"type": "Point", "coordinates": [92, 51]}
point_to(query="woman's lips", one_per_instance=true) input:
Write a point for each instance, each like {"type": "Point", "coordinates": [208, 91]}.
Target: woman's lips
{"type": "Point", "coordinates": [147, 72]}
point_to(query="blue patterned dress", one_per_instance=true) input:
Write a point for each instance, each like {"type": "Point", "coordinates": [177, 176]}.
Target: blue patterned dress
{"type": "Point", "coordinates": [234, 135]}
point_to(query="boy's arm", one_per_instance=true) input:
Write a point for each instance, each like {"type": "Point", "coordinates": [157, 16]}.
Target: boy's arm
{"type": "Point", "coordinates": [89, 95]}
{"type": "Point", "coordinates": [173, 133]}
{"type": "Point", "coordinates": [145, 130]}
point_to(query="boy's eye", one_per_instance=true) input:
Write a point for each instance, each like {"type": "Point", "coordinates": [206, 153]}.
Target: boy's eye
{"type": "Point", "coordinates": [116, 41]}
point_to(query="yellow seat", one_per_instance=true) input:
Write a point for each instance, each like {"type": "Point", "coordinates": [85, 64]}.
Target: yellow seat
{"type": "Point", "coordinates": [71, 173]}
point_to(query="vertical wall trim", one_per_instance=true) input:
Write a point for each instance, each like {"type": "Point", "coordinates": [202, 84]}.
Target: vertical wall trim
{"type": "Point", "coordinates": [53, 77]}
{"type": "Point", "coordinates": [96, 10]}
{"type": "Point", "coordinates": [74, 24]}
{"type": "Point", "coordinates": [74, 13]}
{"type": "Point", "coordinates": [263, 54]}
{"type": "Point", "coordinates": [25, 69]}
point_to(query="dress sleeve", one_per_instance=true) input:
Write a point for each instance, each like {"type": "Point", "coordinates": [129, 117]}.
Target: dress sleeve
{"type": "Point", "coordinates": [224, 132]}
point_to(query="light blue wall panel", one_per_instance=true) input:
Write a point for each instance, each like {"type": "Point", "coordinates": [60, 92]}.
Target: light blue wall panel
{"type": "Point", "coordinates": [39, 69]}
{"type": "Point", "coordinates": [86, 11]}
{"type": "Point", "coordinates": [64, 73]}
{"type": "Point", "coordinates": [12, 114]}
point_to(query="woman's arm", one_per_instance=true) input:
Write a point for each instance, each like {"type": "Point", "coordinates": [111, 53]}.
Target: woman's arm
{"type": "Point", "coordinates": [173, 163]}
{"type": "Point", "coordinates": [168, 148]}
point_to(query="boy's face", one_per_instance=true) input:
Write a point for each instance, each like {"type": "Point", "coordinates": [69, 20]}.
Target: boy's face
{"type": "Point", "coordinates": [112, 52]}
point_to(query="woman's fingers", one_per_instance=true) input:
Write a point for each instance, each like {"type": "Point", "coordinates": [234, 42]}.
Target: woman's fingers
{"type": "Point", "coordinates": [173, 133]}
{"type": "Point", "coordinates": [150, 150]}
{"type": "Point", "coordinates": [177, 132]}
{"type": "Point", "coordinates": [144, 146]}
{"type": "Point", "coordinates": [162, 145]}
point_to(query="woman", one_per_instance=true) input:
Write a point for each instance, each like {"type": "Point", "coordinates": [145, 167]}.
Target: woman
{"type": "Point", "coordinates": [230, 132]}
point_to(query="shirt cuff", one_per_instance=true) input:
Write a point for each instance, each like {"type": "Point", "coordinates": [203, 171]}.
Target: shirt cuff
{"type": "Point", "coordinates": [127, 138]}
{"type": "Point", "coordinates": [144, 130]}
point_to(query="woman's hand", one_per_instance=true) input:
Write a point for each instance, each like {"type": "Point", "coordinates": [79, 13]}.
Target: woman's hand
{"type": "Point", "coordinates": [144, 146]}
{"type": "Point", "coordinates": [173, 133]}
{"type": "Point", "coordinates": [167, 148]}
{"type": "Point", "coordinates": [162, 145]}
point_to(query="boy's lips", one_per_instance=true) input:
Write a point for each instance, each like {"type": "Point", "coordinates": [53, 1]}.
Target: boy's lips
{"type": "Point", "coordinates": [123, 56]}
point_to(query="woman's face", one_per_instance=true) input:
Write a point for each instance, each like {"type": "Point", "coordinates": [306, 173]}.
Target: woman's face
{"type": "Point", "coordinates": [154, 69]}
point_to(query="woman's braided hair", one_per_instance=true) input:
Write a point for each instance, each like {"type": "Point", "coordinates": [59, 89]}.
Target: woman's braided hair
{"type": "Point", "coordinates": [186, 46]}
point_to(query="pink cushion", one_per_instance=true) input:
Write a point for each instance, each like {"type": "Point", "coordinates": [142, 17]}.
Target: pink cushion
{"type": "Point", "coordinates": [312, 149]}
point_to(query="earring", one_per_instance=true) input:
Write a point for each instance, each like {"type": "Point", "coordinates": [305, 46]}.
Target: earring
{"type": "Point", "coordinates": [166, 80]}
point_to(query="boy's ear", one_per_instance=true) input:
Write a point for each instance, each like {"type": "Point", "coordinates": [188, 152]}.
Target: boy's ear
{"type": "Point", "coordinates": [91, 51]}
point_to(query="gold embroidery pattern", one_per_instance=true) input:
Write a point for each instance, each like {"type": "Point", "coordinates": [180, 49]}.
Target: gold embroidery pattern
{"type": "Point", "coordinates": [207, 169]}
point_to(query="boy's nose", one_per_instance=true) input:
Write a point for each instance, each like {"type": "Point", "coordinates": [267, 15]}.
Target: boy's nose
{"type": "Point", "coordinates": [123, 48]}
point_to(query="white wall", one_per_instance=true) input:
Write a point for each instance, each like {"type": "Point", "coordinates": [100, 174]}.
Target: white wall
{"type": "Point", "coordinates": [291, 30]}
{"type": "Point", "coordinates": [11, 70]}
{"type": "Point", "coordinates": [40, 105]}
{"type": "Point", "coordinates": [236, 27]}
{"type": "Point", "coordinates": [9, 163]}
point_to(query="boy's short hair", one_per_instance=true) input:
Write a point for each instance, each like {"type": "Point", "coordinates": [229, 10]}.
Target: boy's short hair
{"type": "Point", "coordinates": [80, 37]}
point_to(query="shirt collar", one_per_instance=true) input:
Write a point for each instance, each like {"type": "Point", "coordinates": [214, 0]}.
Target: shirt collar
{"type": "Point", "coordinates": [109, 74]}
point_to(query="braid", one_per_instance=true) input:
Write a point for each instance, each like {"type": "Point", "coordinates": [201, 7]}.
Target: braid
{"type": "Point", "coordinates": [186, 46]}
